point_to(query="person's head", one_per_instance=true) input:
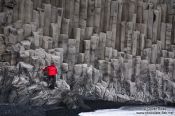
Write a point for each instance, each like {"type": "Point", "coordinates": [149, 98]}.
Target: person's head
{"type": "Point", "coordinates": [52, 63]}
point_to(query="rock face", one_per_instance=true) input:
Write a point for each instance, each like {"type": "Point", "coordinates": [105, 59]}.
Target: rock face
{"type": "Point", "coordinates": [116, 50]}
{"type": "Point", "coordinates": [17, 86]}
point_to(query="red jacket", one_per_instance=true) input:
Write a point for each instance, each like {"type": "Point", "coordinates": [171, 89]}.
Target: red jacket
{"type": "Point", "coordinates": [51, 70]}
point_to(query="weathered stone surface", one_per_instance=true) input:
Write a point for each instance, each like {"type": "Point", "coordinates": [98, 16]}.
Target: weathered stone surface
{"type": "Point", "coordinates": [94, 49]}
{"type": "Point", "coordinates": [47, 19]}
{"type": "Point", "coordinates": [2, 45]}
{"type": "Point", "coordinates": [54, 34]}
{"type": "Point", "coordinates": [28, 11]}
{"type": "Point", "coordinates": [36, 40]}
{"type": "Point", "coordinates": [87, 51]}
{"type": "Point", "coordinates": [135, 43]}
{"type": "Point", "coordinates": [65, 26]}
{"type": "Point", "coordinates": [47, 42]}
{"type": "Point", "coordinates": [88, 32]}
{"type": "Point", "coordinates": [102, 44]}
{"type": "Point", "coordinates": [27, 30]}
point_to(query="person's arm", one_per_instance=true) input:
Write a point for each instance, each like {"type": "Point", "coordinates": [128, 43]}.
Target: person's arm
{"type": "Point", "coordinates": [44, 69]}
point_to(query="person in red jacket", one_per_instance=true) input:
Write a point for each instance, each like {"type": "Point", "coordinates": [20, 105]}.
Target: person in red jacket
{"type": "Point", "coordinates": [51, 71]}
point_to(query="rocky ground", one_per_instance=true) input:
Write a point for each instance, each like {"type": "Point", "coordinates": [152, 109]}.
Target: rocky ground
{"type": "Point", "coordinates": [19, 87]}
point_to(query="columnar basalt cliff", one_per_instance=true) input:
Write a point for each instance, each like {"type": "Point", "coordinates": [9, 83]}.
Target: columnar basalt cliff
{"type": "Point", "coordinates": [116, 50]}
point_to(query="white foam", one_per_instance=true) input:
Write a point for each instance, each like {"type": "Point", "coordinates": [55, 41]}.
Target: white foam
{"type": "Point", "coordinates": [133, 111]}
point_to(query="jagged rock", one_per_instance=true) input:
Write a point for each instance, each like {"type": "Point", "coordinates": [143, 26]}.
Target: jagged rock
{"type": "Point", "coordinates": [3, 18]}
{"type": "Point", "coordinates": [37, 93]}
{"type": "Point", "coordinates": [61, 84]}
{"type": "Point", "coordinates": [73, 101]}
{"type": "Point", "coordinates": [10, 3]}
{"type": "Point", "coordinates": [6, 77]}
{"type": "Point", "coordinates": [26, 44]}
{"type": "Point", "coordinates": [2, 45]}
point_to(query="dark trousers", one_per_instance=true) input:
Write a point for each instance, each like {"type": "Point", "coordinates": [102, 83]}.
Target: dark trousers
{"type": "Point", "coordinates": [52, 82]}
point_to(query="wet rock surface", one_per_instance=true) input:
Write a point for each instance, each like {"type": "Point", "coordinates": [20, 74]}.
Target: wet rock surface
{"type": "Point", "coordinates": [16, 110]}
